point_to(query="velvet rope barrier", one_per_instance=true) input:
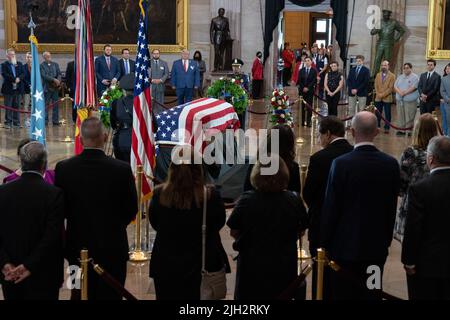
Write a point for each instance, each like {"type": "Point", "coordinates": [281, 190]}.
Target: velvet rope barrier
{"type": "Point", "coordinates": [7, 170]}
{"type": "Point", "coordinates": [321, 115]}
{"type": "Point", "coordinates": [390, 124]}
{"type": "Point", "coordinates": [323, 100]}
{"type": "Point", "coordinates": [51, 105]}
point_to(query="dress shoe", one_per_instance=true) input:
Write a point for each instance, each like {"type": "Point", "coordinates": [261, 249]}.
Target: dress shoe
{"type": "Point", "coordinates": [400, 133]}
{"type": "Point", "coordinates": [386, 131]}
{"type": "Point", "coordinates": [56, 124]}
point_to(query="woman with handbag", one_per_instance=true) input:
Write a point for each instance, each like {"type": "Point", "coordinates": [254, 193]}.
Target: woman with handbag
{"type": "Point", "coordinates": [266, 223]}
{"type": "Point", "coordinates": [185, 259]}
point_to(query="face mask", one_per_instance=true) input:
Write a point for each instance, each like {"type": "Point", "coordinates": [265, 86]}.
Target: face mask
{"type": "Point", "coordinates": [259, 56]}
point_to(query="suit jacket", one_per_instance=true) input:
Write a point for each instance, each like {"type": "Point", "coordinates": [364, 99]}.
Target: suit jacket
{"type": "Point", "coordinates": [316, 184]}
{"type": "Point", "coordinates": [426, 243]}
{"type": "Point", "coordinates": [360, 82]}
{"type": "Point", "coordinates": [48, 74]}
{"type": "Point", "coordinates": [70, 78]}
{"type": "Point", "coordinates": [445, 89]}
{"type": "Point", "coordinates": [102, 72]}
{"type": "Point", "coordinates": [309, 81]}
{"type": "Point", "coordinates": [160, 71]}
{"type": "Point", "coordinates": [132, 64]}
{"type": "Point", "coordinates": [181, 79]}
{"type": "Point", "coordinates": [360, 206]}
{"type": "Point", "coordinates": [101, 201]}
{"type": "Point", "coordinates": [26, 79]}
{"type": "Point", "coordinates": [385, 88]}
{"type": "Point", "coordinates": [31, 229]}
{"type": "Point", "coordinates": [430, 88]}
{"type": "Point", "coordinates": [9, 79]}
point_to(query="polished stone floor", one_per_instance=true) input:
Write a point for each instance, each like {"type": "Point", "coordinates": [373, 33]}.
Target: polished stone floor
{"type": "Point", "coordinates": [138, 281]}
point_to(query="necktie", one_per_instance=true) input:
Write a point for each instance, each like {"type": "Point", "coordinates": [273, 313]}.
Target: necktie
{"type": "Point", "coordinates": [185, 66]}
{"type": "Point", "coordinates": [358, 69]}
{"type": "Point", "coordinates": [108, 62]}
{"type": "Point", "coordinates": [428, 77]}
{"type": "Point", "coordinates": [127, 68]}
{"type": "Point", "coordinates": [307, 72]}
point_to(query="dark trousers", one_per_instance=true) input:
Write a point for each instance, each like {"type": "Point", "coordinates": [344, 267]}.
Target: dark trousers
{"type": "Point", "coordinates": [427, 108]}
{"type": "Point", "coordinates": [333, 103]}
{"type": "Point", "coordinates": [307, 112]}
{"type": "Point", "coordinates": [287, 74]}
{"type": "Point", "coordinates": [355, 287]}
{"type": "Point", "coordinates": [12, 101]}
{"type": "Point", "coordinates": [50, 98]}
{"type": "Point", "coordinates": [422, 288]}
{"type": "Point", "coordinates": [184, 95]}
{"type": "Point", "coordinates": [386, 106]}
{"type": "Point", "coordinates": [25, 291]}
{"type": "Point", "coordinates": [173, 288]}
{"type": "Point", "coordinates": [257, 88]}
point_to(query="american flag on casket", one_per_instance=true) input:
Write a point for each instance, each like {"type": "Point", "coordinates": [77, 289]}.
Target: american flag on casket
{"type": "Point", "coordinates": [181, 124]}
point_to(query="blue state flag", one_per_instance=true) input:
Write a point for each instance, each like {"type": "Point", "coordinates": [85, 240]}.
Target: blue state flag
{"type": "Point", "coordinates": [37, 119]}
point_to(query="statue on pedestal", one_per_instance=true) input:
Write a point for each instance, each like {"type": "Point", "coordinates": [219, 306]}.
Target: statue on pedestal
{"type": "Point", "coordinates": [220, 33]}
{"type": "Point", "coordinates": [389, 33]}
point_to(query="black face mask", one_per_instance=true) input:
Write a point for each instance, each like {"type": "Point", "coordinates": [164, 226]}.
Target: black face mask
{"type": "Point", "coordinates": [259, 56]}
{"type": "Point", "coordinates": [197, 58]}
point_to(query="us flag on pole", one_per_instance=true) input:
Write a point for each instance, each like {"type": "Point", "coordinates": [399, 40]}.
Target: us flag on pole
{"type": "Point", "coordinates": [143, 140]}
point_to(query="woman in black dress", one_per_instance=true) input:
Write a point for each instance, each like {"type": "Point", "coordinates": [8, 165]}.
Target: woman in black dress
{"type": "Point", "coordinates": [176, 212]}
{"type": "Point", "coordinates": [266, 224]}
{"type": "Point", "coordinates": [287, 153]}
{"type": "Point", "coordinates": [334, 82]}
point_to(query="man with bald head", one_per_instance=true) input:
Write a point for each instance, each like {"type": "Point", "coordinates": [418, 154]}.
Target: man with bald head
{"type": "Point", "coordinates": [359, 212]}
{"type": "Point", "coordinates": [185, 77]}
{"type": "Point", "coordinates": [101, 201]}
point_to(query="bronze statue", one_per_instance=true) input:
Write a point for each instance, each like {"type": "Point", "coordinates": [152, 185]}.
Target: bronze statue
{"type": "Point", "coordinates": [390, 32]}
{"type": "Point", "coordinates": [220, 33]}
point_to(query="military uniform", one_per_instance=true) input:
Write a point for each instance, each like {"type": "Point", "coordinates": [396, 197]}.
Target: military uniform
{"type": "Point", "coordinates": [122, 120]}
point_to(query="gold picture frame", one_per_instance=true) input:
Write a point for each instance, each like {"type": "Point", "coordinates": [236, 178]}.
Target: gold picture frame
{"type": "Point", "coordinates": [436, 28]}
{"type": "Point", "coordinates": [11, 30]}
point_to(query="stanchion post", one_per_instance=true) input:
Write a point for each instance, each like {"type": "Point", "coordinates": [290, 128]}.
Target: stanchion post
{"type": "Point", "coordinates": [300, 140]}
{"type": "Point", "coordinates": [84, 262]}
{"type": "Point", "coordinates": [321, 260]}
{"type": "Point", "coordinates": [67, 101]}
{"type": "Point", "coordinates": [138, 255]}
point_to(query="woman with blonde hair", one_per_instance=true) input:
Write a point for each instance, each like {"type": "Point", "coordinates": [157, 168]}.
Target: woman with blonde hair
{"type": "Point", "coordinates": [413, 166]}
{"type": "Point", "coordinates": [176, 213]}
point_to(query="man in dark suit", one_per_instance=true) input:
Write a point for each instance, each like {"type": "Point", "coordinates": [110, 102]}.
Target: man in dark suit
{"type": "Point", "coordinates": [126, 64]}
{"type": "Point", "coordinates": [101, 201]}
{"type": "Point", "coordinates": [306, 83]}
{"type": "Point", "coordinates": [107, 70]}
{"type": "Point", "coordinates": [429, 88]}
{"type": "Point", "coordinates": [185, 77]}
{"type": "Point", "coordinates": [426, 244]}
{"type": "Point", "coordinates": [31, 231]}
{"type": "Point", "coordinates": [70, 85]}
{"type": "Point", "coordinates": [51, 80]}
{"type": "Point", "coordinates": [332, 132]}
{"type": "Point", "coordinates": [12, 88]}
{"type": "Point", "coordinates": [358, 87]}
{"type": "Point", "coordinates": [359, 212]}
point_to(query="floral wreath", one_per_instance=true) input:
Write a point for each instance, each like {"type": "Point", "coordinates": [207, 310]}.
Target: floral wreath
{"type": "Point", "coordinates": [230, 91]}
{"type": "Point", "coordinates": [111, 94]}
{"type": "Point", "coordinates": [281, 111]}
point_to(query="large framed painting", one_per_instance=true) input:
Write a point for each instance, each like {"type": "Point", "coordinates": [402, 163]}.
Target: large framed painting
{"type": "Point", "coordinates": [113, 21]}
{"type": "Point", "coordinates": [438, 43]}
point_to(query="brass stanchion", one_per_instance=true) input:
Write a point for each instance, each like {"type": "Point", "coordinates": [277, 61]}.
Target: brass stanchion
{"type": "Point", "coordinates": [321, 261]}
{"type": "Point", "coordinates": [300, 140]}
{"type": "Point", "coordinates": [84, 262]}
{"type": "Point", "coordinates": [138, 255]}
{"type": "Point", "coordinates": [67, 101]}
{"type": "Point", "coordinates": [302, 254]}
